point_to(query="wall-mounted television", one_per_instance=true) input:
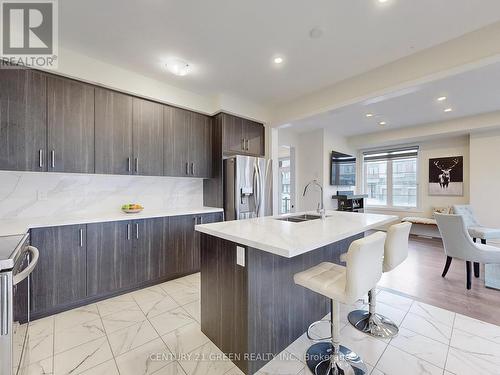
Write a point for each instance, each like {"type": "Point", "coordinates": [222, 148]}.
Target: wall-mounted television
{"type": "Point", "coordinates": [342, 169]}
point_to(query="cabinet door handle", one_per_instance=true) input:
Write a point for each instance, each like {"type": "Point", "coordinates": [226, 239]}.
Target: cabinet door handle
{"type": "Point", "coordinates": [201, 219]}
{"type": "Point", "coordinates": [192, 168]}
{"type": "Point", "coordinates": [187, 168]}
{"type": "Point", "coordinates": [81, 237]}
{"type": "Point", "coordinates": [40, 158]}
{"type": "Point", "coordinates": [248, 145]}
{"type": "Point", "coordinates": [53, 159]}
{"type": "Point", "coordinates": [128, 231]}
{"type": "Point", "coordinates": [136, 165]}
{"type": "Point", "coordinates": [137, 231]}
{"type": "Point", "coordinates": [128, 164]}
{"type": "Point", "coordinates": [4, 302]}
{"type": "Point", "coordinates": [243, 143]}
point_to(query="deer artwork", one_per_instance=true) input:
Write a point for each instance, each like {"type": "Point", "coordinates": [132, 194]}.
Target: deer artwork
{"type": "Point", "coordinates": [445, 176]}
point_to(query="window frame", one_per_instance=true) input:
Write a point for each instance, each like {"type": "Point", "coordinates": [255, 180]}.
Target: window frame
{"type": "Point", "coordinates": [390, 199]}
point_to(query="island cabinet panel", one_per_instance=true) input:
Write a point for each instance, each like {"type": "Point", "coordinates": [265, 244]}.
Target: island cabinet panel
{"type": "Point", "coordinates": [59, 279]}
{"type": "Point", "coordinates": [23, 120]}
{"type": "Point", "coordinates": [257, 309]}
{"type": "Point", "coordinates": [113, 132]}
{"type": "Point", "coordinates": [147, 138]}
{"type": "Point", "coordinates": [70, 126]}
{"type": "Point", "coordinates": [111, 259]}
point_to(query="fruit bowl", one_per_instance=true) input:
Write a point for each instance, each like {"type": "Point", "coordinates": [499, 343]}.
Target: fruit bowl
{"type": "Point", "coordinates": [132, 208]}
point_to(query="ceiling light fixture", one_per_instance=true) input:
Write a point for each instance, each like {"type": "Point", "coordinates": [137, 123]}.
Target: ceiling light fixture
{"type": "Point", "coordinates": [178, 67]}
{"type": "Point", "coordinates": [369, 115]}
{"type": "Point", "coordinates": [448, 109]}
{"type": "Point", "coordinates": [315, 33]}
{"type": "Point", "coordinates": [382, 123]}
{"type": "Point", "coordinates": [278, 60]}
{"type": "Point", "coordinates": [442, 98]}
{"type": "Point", "coordinates": [382, 1]}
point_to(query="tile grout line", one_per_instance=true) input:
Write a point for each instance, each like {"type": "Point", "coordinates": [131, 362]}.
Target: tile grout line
{"type": "Point", "coordinates": [449, 344]}
{"type": "Point", "coordinates": [385, 349]}
{"type": "Point", "coordinates": [109, 343]}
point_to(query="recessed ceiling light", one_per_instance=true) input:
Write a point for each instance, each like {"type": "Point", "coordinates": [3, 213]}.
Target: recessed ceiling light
{"type": "Point", "coordinates": [448, 109]}
{"type": "Point", "coordinates": [278, 60]}
{"type": "Point", "coordinates": [382, 1]}
{"type": "Point", "coordinates": [382, 123]}
{"type": "Point", "coordinates": [442, 98]}
{"type": "Point", "coordinates": [178, 67]}
{"type": "Point", "coordinates": [369, 115]}
{"type": "Point", "coordinates": [316, 33]}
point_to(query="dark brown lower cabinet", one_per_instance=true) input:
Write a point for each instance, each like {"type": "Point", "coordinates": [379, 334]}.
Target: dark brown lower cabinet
{"type": "Point", "coordinates": [60, 277]}
{"type": "Point", "coordinates": [149, 246]}
{"type": "Point", "coordinates": [181, 246]}
{"type": "Point", "coordinates": [83, 263]}
{"type": "Point", "coordinates": [111, 261]}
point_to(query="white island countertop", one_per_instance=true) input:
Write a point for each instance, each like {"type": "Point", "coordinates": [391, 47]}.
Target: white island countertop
{"type": "Point", "coordinates": [9, 227]}
{"type": "Point", "coordinates": [289, 239]}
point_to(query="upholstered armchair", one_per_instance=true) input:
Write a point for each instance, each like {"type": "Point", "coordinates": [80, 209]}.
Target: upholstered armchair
{"type": "Point", "coordinates": [476, 230]}
{"type": "Point", "coordinates": [458, 244]}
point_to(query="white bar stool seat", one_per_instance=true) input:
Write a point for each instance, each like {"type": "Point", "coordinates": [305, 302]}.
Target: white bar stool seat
{"type": "Point", "coordinates": [395, 253]}
{"type": "Point", "coordinates": [343, 285]}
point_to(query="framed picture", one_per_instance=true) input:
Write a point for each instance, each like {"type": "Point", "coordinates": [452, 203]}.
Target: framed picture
{"type": "Point", "coordinates": [446, 176]}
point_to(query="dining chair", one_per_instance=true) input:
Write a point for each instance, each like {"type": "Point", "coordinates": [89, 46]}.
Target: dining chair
{"type": "Point", "coordinates": [459, 244]}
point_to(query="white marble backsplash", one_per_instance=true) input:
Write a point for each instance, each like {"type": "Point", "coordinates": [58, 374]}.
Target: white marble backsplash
{"type": "Point", "coordinates": [33, 194]}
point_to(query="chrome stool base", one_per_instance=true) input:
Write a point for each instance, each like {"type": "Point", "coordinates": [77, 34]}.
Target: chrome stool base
{"type": "Point", "coordinates": [373, 324]}
{"type": "Point", "coordinates": [320, 362]}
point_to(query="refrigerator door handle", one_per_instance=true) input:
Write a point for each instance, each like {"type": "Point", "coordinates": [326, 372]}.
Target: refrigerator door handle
{"type": "Point", "coordinates": [257, 188]}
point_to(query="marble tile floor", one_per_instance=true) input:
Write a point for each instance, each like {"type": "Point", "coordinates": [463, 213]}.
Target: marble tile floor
{"type": "Point", "coordinates": [157, 331]}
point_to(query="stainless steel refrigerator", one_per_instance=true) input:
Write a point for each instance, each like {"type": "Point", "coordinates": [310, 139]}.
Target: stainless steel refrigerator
{"type": "Point", "coordinates": [247, 187]}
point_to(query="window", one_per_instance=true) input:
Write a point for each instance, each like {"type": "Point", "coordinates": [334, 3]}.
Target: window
{"type": "Point", "coordinates": [390, 178]}
{"type": "Point", "coordinates": [284, 165]}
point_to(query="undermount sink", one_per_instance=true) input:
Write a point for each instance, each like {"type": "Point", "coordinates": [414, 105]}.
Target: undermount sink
{"type": "Point", "coordinates": [300, 218]}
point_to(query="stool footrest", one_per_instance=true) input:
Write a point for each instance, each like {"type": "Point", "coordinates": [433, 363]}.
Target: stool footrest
{"type": "Point", "coordinates": [308, 332]}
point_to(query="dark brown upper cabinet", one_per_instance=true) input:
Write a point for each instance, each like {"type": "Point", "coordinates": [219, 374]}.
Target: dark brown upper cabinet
{"type": "Point", "coordinates": [187, 143]}
{"type": "Point", "coordinates": [200, 150]}
{"type": "Point", "coordinates": [242, 136]}
{"type": "Point", "coordinates": [113, 132]}
{"type": "Point", "coordinates": [23, 120]}
{"type": "Point", "coordinates": [147, 138]}
{"type": "Point", "coordinates": [70, 126]}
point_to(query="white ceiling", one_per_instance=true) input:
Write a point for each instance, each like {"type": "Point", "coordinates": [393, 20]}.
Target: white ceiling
{"type": "Point", "coordinates": [230, 44]}
{"type": "Point", "coordinates": [470, 93]}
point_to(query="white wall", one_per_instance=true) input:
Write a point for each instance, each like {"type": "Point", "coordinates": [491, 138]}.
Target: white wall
{"type": "Point", "coordinates": [76, 65]}
{"type": "Point", "coordinates": [312, 156]}
{"type": "Point", "coordinates": [485, 177]}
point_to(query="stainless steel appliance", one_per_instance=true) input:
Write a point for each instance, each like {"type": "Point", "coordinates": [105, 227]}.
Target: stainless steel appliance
{"type": "Point", "coordinates": [247, 187]}
{"type": "Point", "coordinates": [17, 261]}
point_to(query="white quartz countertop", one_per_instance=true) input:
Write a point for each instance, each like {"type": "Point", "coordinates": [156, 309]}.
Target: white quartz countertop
{"type": "Point", "coordinates": [289, 239]}
{"type": "Point", "coordinates": [20, 226]}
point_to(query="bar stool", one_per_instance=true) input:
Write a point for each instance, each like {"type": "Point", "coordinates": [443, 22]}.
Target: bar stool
{"type": "Point", "coordinates": [395, 253]}
{"type": "Point", "coordinates": [343, 285]}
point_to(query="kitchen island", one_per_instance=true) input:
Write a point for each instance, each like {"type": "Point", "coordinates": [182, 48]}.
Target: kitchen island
{"type": "Point", "coordinates": [250, 306]}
